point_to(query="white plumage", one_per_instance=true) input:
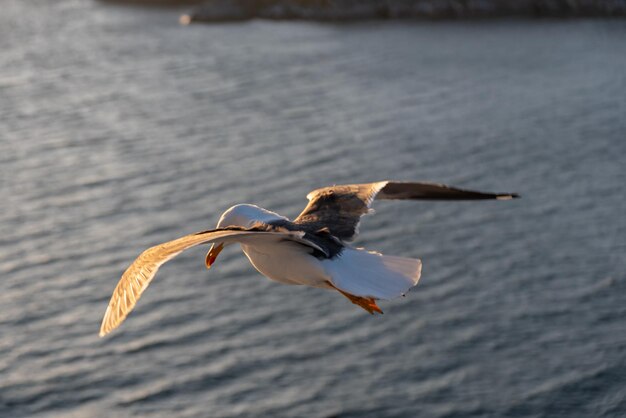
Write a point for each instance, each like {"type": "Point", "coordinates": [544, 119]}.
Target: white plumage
{"type": "Point", "coordinates": [312, 250]}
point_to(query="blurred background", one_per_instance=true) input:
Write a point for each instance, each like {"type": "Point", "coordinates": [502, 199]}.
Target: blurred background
{"type": "Point", "coordinates": [121, 129]}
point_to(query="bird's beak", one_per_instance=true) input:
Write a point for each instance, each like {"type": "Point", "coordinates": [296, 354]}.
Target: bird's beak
{"type": "Point", "coordinates": [211, 256]}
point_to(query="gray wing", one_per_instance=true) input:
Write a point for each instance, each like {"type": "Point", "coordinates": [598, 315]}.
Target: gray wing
{"type": "Point", "coordinates": [339, 208]}
{"type": "Point", "coordinates": [140, 273]}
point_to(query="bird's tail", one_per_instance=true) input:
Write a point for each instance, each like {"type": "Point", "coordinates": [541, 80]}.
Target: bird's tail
{"type": "Point", "coordinates": [370, 274]}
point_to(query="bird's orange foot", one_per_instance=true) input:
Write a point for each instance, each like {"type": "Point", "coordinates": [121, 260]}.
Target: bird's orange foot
{"type": "Point", "coordinates": [369, 304]}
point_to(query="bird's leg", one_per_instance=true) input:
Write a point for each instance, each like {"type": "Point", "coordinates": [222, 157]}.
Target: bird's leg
{"type": "Point", "coordinates": [369, 304]}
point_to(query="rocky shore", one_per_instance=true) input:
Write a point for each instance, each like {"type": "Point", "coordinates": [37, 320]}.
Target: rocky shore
{"type": "Point", "coordinates": [348, 10]}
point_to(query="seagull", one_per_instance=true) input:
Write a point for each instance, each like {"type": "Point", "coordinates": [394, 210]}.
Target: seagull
{"type": "Point", "coordinates": [312, 250]}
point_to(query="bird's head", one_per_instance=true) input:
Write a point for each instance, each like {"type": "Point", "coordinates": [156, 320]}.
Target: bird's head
{"type": "Point", "coordinates": [244, 216]}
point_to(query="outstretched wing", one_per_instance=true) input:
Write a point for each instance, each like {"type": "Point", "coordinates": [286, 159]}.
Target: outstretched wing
{"type": "Point", "coordinates": [339, 208]}
{"type": "Point", "coordinates": [140, 273]}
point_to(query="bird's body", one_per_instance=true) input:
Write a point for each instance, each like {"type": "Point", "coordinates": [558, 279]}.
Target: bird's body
{"type": "Point", "coordinates": [287, 264]}
{"type": "Point", "coordinates": [312, 250]}
{"type": "Point", "coordinates": [283, 261]}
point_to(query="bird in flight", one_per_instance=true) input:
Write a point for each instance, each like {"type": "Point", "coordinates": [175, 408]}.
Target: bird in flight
{"type": "Point", "coordinates": [312, 250]}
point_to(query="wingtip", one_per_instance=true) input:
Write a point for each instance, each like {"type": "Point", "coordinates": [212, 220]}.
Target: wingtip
{"type": "Point", "coordinates": [103, 331]}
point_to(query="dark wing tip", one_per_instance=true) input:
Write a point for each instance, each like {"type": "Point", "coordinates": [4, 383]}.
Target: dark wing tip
{"type": "Point", "coordinates": [400, 190]}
